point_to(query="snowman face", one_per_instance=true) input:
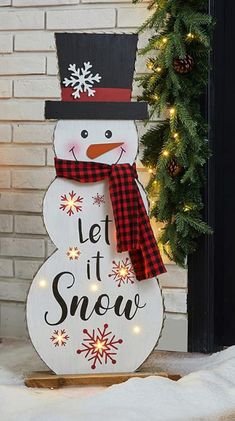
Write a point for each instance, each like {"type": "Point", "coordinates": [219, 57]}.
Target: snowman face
{"type": "Point", "coordinates": [104, 141]}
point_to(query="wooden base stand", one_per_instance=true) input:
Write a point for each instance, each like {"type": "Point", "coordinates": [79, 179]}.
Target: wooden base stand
{"type": "Point", "coordinates": [49, 380]}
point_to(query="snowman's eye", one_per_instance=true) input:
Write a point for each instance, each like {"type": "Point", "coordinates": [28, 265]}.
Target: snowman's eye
{"type": "Point", "coordinates": [84, 134]}
{"type": "Point", "coordinates": [108, 134]}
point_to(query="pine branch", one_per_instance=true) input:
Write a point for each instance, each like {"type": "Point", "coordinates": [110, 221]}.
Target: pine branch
{"type": "Point", "coordinates": [182, 29]}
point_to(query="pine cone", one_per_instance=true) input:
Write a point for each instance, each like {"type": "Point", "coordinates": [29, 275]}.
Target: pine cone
{"type": "Point", "coordinates": [174, 168]}
{"type": "Point", "coordinates": [183, 65]}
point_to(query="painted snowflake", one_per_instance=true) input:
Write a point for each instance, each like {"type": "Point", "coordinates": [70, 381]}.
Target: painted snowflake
{"type": "Point", "coordinates": [71, 203]}
{"type": "Point", "coordinates": [98, 199]}
{"type": "Point", "coordinates": [123, 272]}
{"type": "Point", "coordinates": [100, 347]}
{"type": "Point", "coordinates": [73, 253]}
{"type": "Point", "coordinates": [59, 337]}
{"type": "Point", "coordinates": [81, 79]}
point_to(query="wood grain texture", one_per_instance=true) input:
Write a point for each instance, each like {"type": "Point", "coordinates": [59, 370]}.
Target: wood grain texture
{"type": "Point", "coordinates": [49, 380]}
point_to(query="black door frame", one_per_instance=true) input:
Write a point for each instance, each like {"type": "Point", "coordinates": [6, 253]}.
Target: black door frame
{"type": "Point", "coordinates": [201, 265]}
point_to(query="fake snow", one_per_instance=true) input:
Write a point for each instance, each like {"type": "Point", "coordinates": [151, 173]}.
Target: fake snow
{"type": "Point", "coordinates": [206, 392]}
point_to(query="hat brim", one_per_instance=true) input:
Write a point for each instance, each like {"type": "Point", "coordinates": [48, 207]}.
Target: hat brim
{"type": "Point", "coordinates": [62, 110]}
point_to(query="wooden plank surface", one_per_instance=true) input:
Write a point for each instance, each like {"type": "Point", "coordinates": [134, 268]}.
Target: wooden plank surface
{"type": "Point", "coordinates": [46, 379]}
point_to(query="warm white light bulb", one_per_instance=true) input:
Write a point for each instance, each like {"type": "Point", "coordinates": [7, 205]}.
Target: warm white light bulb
{"type": "Point", "coordinates": [123, 271]}
{"type": "Point", "coordinates": [94, 287]}
{"type": "Point", "coordinates": [42, 283]}
{"type": "Point", "coordinates": [136, 330]}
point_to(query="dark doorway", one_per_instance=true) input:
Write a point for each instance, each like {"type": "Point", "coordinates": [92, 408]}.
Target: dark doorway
{"type": "Point", "coordinates": [224, 138]}
{"type": "Point", "coordinates": [211, 295]}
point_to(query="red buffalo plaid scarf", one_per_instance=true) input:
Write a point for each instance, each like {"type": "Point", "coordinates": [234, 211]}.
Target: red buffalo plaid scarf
{"type": "Point", "coordinates": [134, 232]}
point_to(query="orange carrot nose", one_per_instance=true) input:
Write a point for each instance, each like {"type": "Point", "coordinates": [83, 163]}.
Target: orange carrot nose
{"type": "Point", "coordinates": [95, 150]}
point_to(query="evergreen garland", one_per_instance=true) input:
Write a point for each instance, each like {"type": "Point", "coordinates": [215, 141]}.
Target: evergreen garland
{"type": "Point", "coordinates": [178, 62]}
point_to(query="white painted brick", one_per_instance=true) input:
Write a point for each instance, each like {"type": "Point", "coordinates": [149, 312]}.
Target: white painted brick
{"type": "Point", "coordinates": [22, 110]}
{"type": "Point", "coordinates": [144, 177]}
{"type": "Point", "coordinates": [22, 65]}
{"type": "Point", "coordinates": [25, 247]}
{"type": "Point", "coordinates": [174, 282]}
{"type": "Point", "coordinates": [140, 64]}
{"type": "Point", "coordinates": [5, 3]}
{"type": "Point", "coordinates": [25, 202]}
{"type": "Point", "coordinates": [34, 3]}
{"type": "Point", "coordinates": [50, 248]}
{"type": "Point", "coordinates": [52, 65]}
{"type": "Point", "coordinates": [81, 19]}
{"type": "Point", "coordinates": [175, 334]}
{"type": "Point", "coordinates": [5, 133]}
{"type": "Point", "coordinates": [5, 179]}
{"type": "Point", "coordinates": [105, 1]}
{"type": "Point", "coordinates": [6, 268]}
{"type": "Point", "coordinates": [14, 20]}
{"type": "Point", "coordinates": [6, 43]}
{"type": "Point", "coordinates": [13, 320]}
{"type": "Point", "coordinates": [29, 224]}
{"type": "Point", "coordinates": [50, 157]}
{"type": "Point", "coordinates": [13, 291]}
{"type": "Point", "coordinates": [34, 41]}
{"type": "Point", "coordinates": [40, 88]}
{"type": "Point", "coordinates": [136, 90]}
{"type": "Point", "coordinates": [131, 16]}
{"type": "Point", "coordinates": [6, 223]}
{"type": "Point", "coordinates": [5, 88]}
{"type": "Point", "coordinates": [32, 179]}
{"type": "Point", "coordinates": [175, 300]}
{"type": "Point", "coordinates": [144, 37]}
{"type": "Point", "coordinates": [33, 133]}
{"type": "Point", "coordinates": [175, 277]}
{"type": "Point", "coordinates": [26, 269]}
{"type": "Point", "coordinates": [22, 155]}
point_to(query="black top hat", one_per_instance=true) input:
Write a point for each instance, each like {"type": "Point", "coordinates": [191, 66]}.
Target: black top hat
{"type": "Point", "coordinates": [96, 73]}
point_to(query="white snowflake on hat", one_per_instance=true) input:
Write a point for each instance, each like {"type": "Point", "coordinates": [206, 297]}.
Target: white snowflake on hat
{"type": "Point", "coordinates": [81, 79]}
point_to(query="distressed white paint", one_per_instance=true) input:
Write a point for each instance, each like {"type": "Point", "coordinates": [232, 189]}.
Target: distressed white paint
{"type": "Point", "coordinates": [139, 333]}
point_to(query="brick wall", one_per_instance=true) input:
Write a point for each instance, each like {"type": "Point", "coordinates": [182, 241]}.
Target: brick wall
{"type": "Point", "coordinates": [28, 76]}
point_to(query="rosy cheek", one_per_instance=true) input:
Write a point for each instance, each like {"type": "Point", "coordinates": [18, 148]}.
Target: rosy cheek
{"type": "Point", "coordinates": [125, 146]}
{"type": "Point", "coordinates": [72, 146]}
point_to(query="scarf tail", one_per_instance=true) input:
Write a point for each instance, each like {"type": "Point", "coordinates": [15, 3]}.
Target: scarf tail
{"type": "Point", "coordinates": [133, 229]}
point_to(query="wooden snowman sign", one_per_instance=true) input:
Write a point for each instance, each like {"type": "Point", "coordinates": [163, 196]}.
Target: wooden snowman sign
{"type": "Point", "coordinates": [95, 304]}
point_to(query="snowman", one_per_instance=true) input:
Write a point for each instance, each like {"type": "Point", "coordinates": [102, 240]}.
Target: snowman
{"type": "Point", "coordinates": [95, 304]}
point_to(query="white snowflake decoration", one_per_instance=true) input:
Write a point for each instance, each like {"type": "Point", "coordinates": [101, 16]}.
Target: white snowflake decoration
{"type": "Point", "coordinates": [81, 80]}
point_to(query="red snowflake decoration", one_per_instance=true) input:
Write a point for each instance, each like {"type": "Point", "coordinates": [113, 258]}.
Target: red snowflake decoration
{"type": "Point", "coordinates": [73, 253]}
{"type": "Point", "coordinates": [71, 203]}
{"type": "Point", "coordinates": [99, 346]}
{"type": "Point", "coordinates": [123, 272]}
{"type": "Point", "coordinates": [98, 199]}
{"type": "Point", "coordinates": [59, 337]}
